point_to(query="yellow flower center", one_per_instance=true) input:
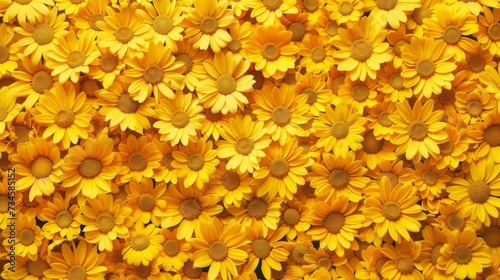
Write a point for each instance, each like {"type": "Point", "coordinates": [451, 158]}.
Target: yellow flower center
{"type": "Point", "coordinates": [187, 60]}
{"type": "Point", "coordinates": [217, 251]}
{"type": "Point", "coordinates": [190, 208]}
{"type": "Point", "coordinates": [4, 53]}
{"type": "Point", "coordinates": [94, 19]}
{"type": "Point", "coordinates": [417, 130]}
{"type": "Point", "coordinates": [345, 8]}
{"type": "Point", "coordinates": [361, 50]}
{"type": "Point", "coordinates": [479, 192]}
{"type": "Point", "coordinates": [447, 96]}
{"type": "Point", "coordinates": [234, 46]}
{"type": "Point", "coordinates": [244, 146]}
{"type": "Point", "coordinates": [4, 204]}
{"type": "Point", "coordinates": [446, 148]}
{"type": "Point", "coordinates": [435, 254]}
{"type": "Point", "coordinates": [105, 222]}
{"type": "Point", "coordinates": [339, 129]}
{"type": "Point", "coordinates": [279, 167]}
{"type": "Point", "coordinates": [90, 86]}
{"type": "Point", "coordinates": [334, 222]}
{"type": "Point", "coordinates": [257, 208]}
{"type": "Point", "coordinates": [425, 68]}
{"type": "Point", "coordinates": [419, 14]}
{"type": "Point", "coordinates": [231, 180]}
{"type": "Point", "coordinates": [396, 81]}
{"type": "Point", "coordinates": [23, 2]}
{"type": "Point", "coordinates": [476, 64]}
{"type": "Point", "coordinates": [41, 167]}
{"type": "Point", "coordinates": [494, 31]}
{"type": "Point", "coordinates": [179, 119]}
{"type": "Point", "coordinates": [124, 34]}
{"type": "Point", "coordinates": [325, 262]}
{"type": "Point", "coordinates": [90, 168]}
{"type": "Point", "coordinates": [171, 248]}
{"type": "Point", "coordinates": [298, 31]}
{"type": "Point", "coordinates": [26, 236]}
{"type": "Point", "coordinates": [491, 236]}
{"type": "Point", "coordinates": [208, 25]}
{"type": "Point", "coordinates": [318, 54]}
{"type": "Point", "coordinates": [452, 35]}
{"type": "Point", "coordinates": [383, 119]}
{"type": "Point", "coordinates": [42, 81]}
{"type": "Point", "coordinates": [213, 117]}
{"type": "Point", "coordinates": [162, 24]}
{"type": "Point", "coordinates": [196, 162]}
{"type": "Point", "coordinates": [127, 104]}
{"type": "Point", "coordinates": [281, 115]}
{"type": "Point", "coordinates": [140, 242]}
{"type": "Point", "coordinates": [153, 74]}
{"type": "Point", "coordinates": [226, 84]}
{"type": "Point", "coordinates": [310, 5]}
{"type": "Point", "coordinates": [43, 34]}
{"type": "Point", "coordinates": [270, 51]}
{"type": "Point", "coordinates": [398, 47]}
{"type": "Point", "coordinates": [338, 178]}
{"type": "Point", "coordinates": [192, 272]}
{"type": "Point", "coordinates": [167, 161]}
{"type": "Point", "coordinates": [462, 254]}
{"type": "Point", "coordinates": [474, 108]}
{"type": "Point", "coordinates": [75, 59]}
{"type": "Point", "coordinates": [380, 264]}
{"type": "Point", "coordinates": [492, 135]}
{"type": "Point", "coordinates": [291, 216]}
{"type": "Point", "coordinates": [360, 93]}
{"type": "Point", "coordinates": [393, 178]}
{"type": "Point", "coordinates": [137, 162]}
{"type": "Point", "coordinates": [429, 178]}
{"type": "Point", "coordinates": [272, 5]}
{"type": "Point", "coordinates": [261, 248]}
{"type": "Point", "coordinates": [146, 202]}
{"type": "Point", "coordinates": [312, 95]}
{"type": "Point", "coordinates": [391, 211]}
{"type": "Point", "coordinates": [455, 221]}
{"type": "Point", "coordinates": [108, 63]}
{"type": "Point", "coordinates": [143, 271]}
{"type": "Point", "coordinates": [37, 268]}
{"type": "Point", "coordinates": [331, 28]}
{"type": "Point", "coordinates": [64, 118]}
{"type": "Point", "coordinates": [371, 145]}
{"type": "Point", "coordinates": [64, 219]}
{"type": "Point", "coordinates": [77, 272]}
{"type": "Point", "coordinates": [298, 254]}
{"type": "Point", "coordinates": [404, 264]}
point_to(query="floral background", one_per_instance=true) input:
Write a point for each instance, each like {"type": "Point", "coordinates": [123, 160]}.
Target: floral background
{"type": "Point", "coordinates": [246, 139]}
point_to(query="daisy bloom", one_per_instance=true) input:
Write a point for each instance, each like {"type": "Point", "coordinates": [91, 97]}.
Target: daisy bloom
{"type": "Point", "coordinates": [416, 18]}
{"type": "Point", "coordinates": [434, 240]}
{"type": "Point", "coordinates": [106, 68]}
{"type": "Point", "coordinates": [272, 50]}
{"type": "Point", "coordinates": [8, 57]}
{"type": "Point", "coordinates": [206, 24]}
{"type": "Point", "coordinates": [65, 114]}
{"type": "Point", "coordinates": [143, 245]}
{"type": "Point", "coordinates": [320, 264]}
{"type": "Point", "coordinates": [357, 94]}
{"type": "Point", "coordinates": [149, 203]}
{"type": "Point", "coordinates": [231, 186]}
{"type": "Point", "coordinates": [452, 218]}
{"type": "Point", "coordinates": [391, 83]}
{"type": "Point", "coordinates": [176, 252]}
{"type": "Point", "coordinates": [375, 151]}
{"type": "Point", "coordinates": [378, 120]}
{"type": "Point", "coordinates": [451, 152]}
{"type": "Point", "coordinates": [266, 250]}
{"type": "Point", "coordinates": [489, 78]}
{"type": "Point", "coordinates": [212, 125]}
{"type": "Point", "coordinates": [28, 237]}
{"type": "Point", "coordinates": [294, 218]}
{"type": "Point", "coordinates": [268, 12]}
{"type": "Point", "coordinates": [427, 67]}
{"type": "Point", "coordinates": [166, 172]}
{"type": "Point", "coordinates": [316, 56]}
{"type": "Point", "coordinates": [38, 167]}
{"type": "Point", "coordinates": [220, 248]}
{"type": "Point", "coordinates": [88, 15]}
{"type": "Point", "coordinates": [488, 34]}
{"type": "Point", "coordinates": [241, 36]}
{"type": "Point", "coordinates": [485, 135]}
{"type": "Point", "coordinates": [402, 261]}
{"type": "Point", "coordinates": [343, 11]}
{"type": "Point", "coordinates": [61, 218]}
{"type": "Point", "coordinates": [418, 130]}
{"type": "Point", "coordinates": [464, 254]}
{"type": "Point", "coordinates": [26, 269]}
{"type": "Point", "coordinates": [318, 94]}
{"type": "Point", "coordinates": [76, 261]}
{"type": "Point", "coordinates": [27, 10]}
{"type": "Point", "coordinates": [474, 106]}
{"type": "Point", "coordinates": [195, 163]}
{"type": "Point", "coordinates": [394, 211]}
{"type": "Point", "coordinates": [156, 71]}
{"type": "Point", "coordinates": [179, 119]}
{"type": "Point", "coordinates": [139, 158]}
{"type": "Point", "coordinates": [193, 59]}
{"type": "Point", "coordinates": [9, 109]}
{"type": "Point", "coordinates": [391, 12]}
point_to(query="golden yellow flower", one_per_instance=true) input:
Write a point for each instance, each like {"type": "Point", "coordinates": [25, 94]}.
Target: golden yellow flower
{"type": "Point", "coordinates": [143, 245]}
{"type": "Point", "coordinates": [193, 59]}
{"type": "Point", "coordinates": [343, 11]}
{"type": "Point", "coordinates": [316, 55]}
{"type": "Point", "coordinates": [149, 204]}
{"type": "Point", "coordinates": [32, 10]}
{"type": "Point", "coordinates": [266, 250]}
{"type": "Point", "coordinates": [390, 12]}
{"type": "Point", "coordinates": [230, 186]}
{"type": "Point", "coordinates": [166, 172]}
{"type": "Point", "coordinates": [8, 108]}
{"type": "Point", "coordinates": [489, 29]}
{"type": "Point", "coordinates": [268, 12]}
{"type": "Point", "coordinates": [61, 218]}
{"type": "Point", "coordinates": [139, 158]}
{"type": "Point", "coordinates": [402, 261]}
{"type": "Point", "coordinates": [357, 94]}
{"type": "Point", "coordinates": [88, 15]}
{"type": "Point", "coordinates": [8, 51]}
{"type": "Point", "coordinates": [176, 251]}
{"type": "Point", "coordinates": [106, 68]}
{"type": "Point", "coordinates": [28, 237]}
{"type": "Point", "coordinates": [489, 78]}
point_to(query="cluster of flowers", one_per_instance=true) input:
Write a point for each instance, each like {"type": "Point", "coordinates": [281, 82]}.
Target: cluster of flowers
{"type": "Point", "coordinates": [279, 139]}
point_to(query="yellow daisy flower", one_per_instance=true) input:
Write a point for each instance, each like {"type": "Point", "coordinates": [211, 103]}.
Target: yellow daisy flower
{"type": "Point", "coordinates": [298, 24]}
{"type": "Point", "coordinates": [392, 12]}
{"type": "Point", "coordinates": [143, 245]}
{"type": "Point", "coordinates": [9, 109]}
{"type": "Point", "coordinates": [294, 218]}
{"type": "Point", "coordinates": [28, 237]}
{"type": "Point", "coordinates": [375, 151]}
{"type": "Point", "coordinates": [70, 7]}
{"type": "Point", "coordinates": [176, 251]}
{"type": "Point", "coordinates": [231, 186]}
{"type": "Point", "coordinates": [344, 11]}
{"type": "Point", "coordinates": [451, 152]}
{"type": "Point", "coordinates": [357, 94]}
{"type": "Point", "coordinates": [106, 68]}
{"type": "Point", "coordinates": [476, 62]}
{"type": "Point", "coordinates": [166, 172]}
{"type": "Point", "coordinates": [88, 15]}
{"type": "Point", "coordinates": [431, 181]}
{"type": "Point", "coordinates": [193, 59]}
{"type": "Point", "coordinates": [378, 120]}
{"type": "Point", "coordinates": [321, 264]}
{"type": "Point", "coordinates": [416, 18]}
{"type": "Point", "coordinates": [316, 56]}
{"type": "Point", "coordinates": [489, 78]}
{"type": "Point", "coordinates": [318, 94]}
{"type": "Point", "coordinates": [139, 159]}
{"type": "Point", "coordinates": [240, 34]}
{"type": "Point", "coordinates": [8, 51]}
{"type": "Point", "coordinates": [212, 125]}
{"type": "Point", "coordinates": [485, 137]}
{"type": "Point", "coordinates": [26, 269]}
{"type": "Point", "coordinates": [402, 261]}
{"type": "Point", "coordinates": [371, 262]}
{"type": "Point", "coordinates": [488, 34]}
{"type": "Point", "coordinates": [474, 106]}
{"type": "Point", "coordinates": [447, 99]}
{"type": "Point", "coordinates": [61, 218]}
{"type": "Point", "coordinates": [391, 83]}
{"type": "Point", "coordinates": [27, 10]}
{"type": "Point", "coordinates": [434, 240]}
{"type": "Point", "coordinates": [268, 12]}
{"type": "Point", "coordinates": [149, 203]}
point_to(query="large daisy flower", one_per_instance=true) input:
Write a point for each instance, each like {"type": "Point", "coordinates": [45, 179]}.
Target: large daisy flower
{"type": "Point", "coordinates": [144, 244]}
{"type": "Point", "coordinates": [139, 158]}
{"type": "Point", "coordinates": [402, 261]}
{"type": "Point", "coordinates": [230, 186]}
{"type": "Point", "coordinates": [266, 250]}
{"type": "Point", "coordinates": [61, 218]}
{"type": "Point", "coordinates": [176, 251]}
{"type": "Point", "coordinates": [27, 10]}
{"type": "Point", "coordinates": [489, 30]}
{"type": "Point", "coordinates": [149, 203]}
{"type": "Point", "coordinates": [28, 237]}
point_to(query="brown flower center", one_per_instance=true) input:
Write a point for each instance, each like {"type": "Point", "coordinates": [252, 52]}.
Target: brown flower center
{"type": "Point", "coordinates": [171, 247]}
{"type": "Point", "coordinates": [187, 60]}
{"type": "Point", "coordinates": [492, 135]}
{"type": "Point", "coordinates": [217, 251]}
{"type": "Point", "coordinates": [331, 28]}
{"type": "Point", "coordinates": [94, 19]}
{"type": "Point", "coordinates": [105, 222]}
{"type": "Point", "coordinates": [179, 119]}
{"type": "Point", "coordinates": [231, 180]}
{"type": "Point", "coordinates": [338, 178]}
{"type": "Point", "coordinates": [455, 221]}
{"type": "Point", "coordinates": [417, 130]}
{"type": "Point", "coordinates": [77, 272]}
{"type": "Point", "coordinates": [446, 148]}
{"type": "Point", "coordinates": [491, 236]}
{"type": "Point", "coordinates": [345, 8]}
{"type": "Point", "coordinates": [75, 59]}
{"type": "Point", "coordinates": [281, 115]}
{"type": "Point", "coordinates": [339, 129]}
{"type": "Point", "coordinates": [476, 64]}
{"type": "Point", "coordinates": [298, 31]}
{"type": "Point", "coordinates": [312, 95]}
{"type": "Point", "coordinates": [494, 31]}
{"type": "Point", "coordinates": [137, 162]}
{"type": "Point", "coordinates": [162, 24]}
{"type": "Point", "coordinates": [43, 34]}
{"type": "Point", "coordinates": [462, 254]}
{"type": "Point", "coordinates": [22, 133]}
{"type": "Point", "coordinates": [196, 162]}
{"type": "Point", "coordinates": [153, 74]}
{"type": "Point", "coordinates": [4, 53]}
{"type": "Point", "coordinates": [360, 93]}
{"type": "Point", "coordinates": [190, 208]}
{"type": "Point", "coordinates": [143, 271]}
{"type": "Point", "coordinates": [419, 14]}
{"type": "Point", "coordinates": [391, 211]}
{"type": "Point", "coordinates": [226, 84]}
{"type": "Point", "coordinates": [291, 216]}
{"type": "Point", "coordinates": [257, 208]}
{"type": "Point", "coordinates": [272, 5]}
{"type": "Point", "coordinates": [398, 47]}
{"type": "Point", "coordinates": [310, 5]}
{"type": "Point", "coordinates": [234, 46]}
{"type": "Point", "coordinates": [325, 262]}
{"type": "Point", "coordinates": [429, 178]}
{"type": "Point", "coordinates": [270, 51]}
{"type": "Point", "coordinates": [127, 104]}
{"type": "Point", "coordinates": [167, 161]}
{"type": "Point", "coordinates": [396, 81]}
{"type": "Point", "coordinates": [361, 50]}
{"type": "Point", "coordinates": [425, 68]}
{"type": "Point", "coordinates": [23, 2]}
{"type": "Point", "coordinates": [65, 118]}
{"type": "Point", "coordinates": [108, 63]}
{"type": "Point", "coordinates": [261, 248]}
{"type": "Point", "coordinates": [383, 119]}
{"type": "Point", "coordinates": [90, 86]}
{"type": "Point", "coordinates": [435, 254]}
{"type": "Point", "coordinates": [208, 25]}
{"type": "Point", "coordinates": [26, 236]}
{"type": "Point", "coordinates": [192, 272]}
{"type": "Point", "coordinates": [309, 191]}
{"type": "Point", "coordinates": [140, 242]}
{"type": "Point", "coordinates": [90, 168]}
{"type": "Point", "coordinates": [474, 108]}
{"type": "Point", "coordinates": [147, 202]}
{"type": "Point", "coordinates": [380, 264]}
{"type": "Point", "coordinates": [41, 167]}
{"type": "Point", "coordinates": [37, 268]}
{"type": "Point", "coordinates": [479, 192]}
{"type": "Point", "coordinates": [393, 178]}
{"type": "Point", "coordinates": [4, 204]}
{"type": "Point", "coordinates": [64, 219]}
{"type": "Point", "coordinates": [298, 253]}
{"type": "Point", "coordinates": [334, 222]}
{"type": "Point", "coordinates": [124, 34]}
{"type": "Point", "coordinates": [318, 54]}
{"type": "Point", "coordinates": [279, 167]}
{"type": "Point", "coordinates": [42, 81]}
{"type": "Point", "coordinates": [447, 96]}
{"type": "Point", "coordinates": [371, 145]}
{"type": "Point", "coordinates": [452, 35]}
{"type": "Point", "coordinates": [404, 264]}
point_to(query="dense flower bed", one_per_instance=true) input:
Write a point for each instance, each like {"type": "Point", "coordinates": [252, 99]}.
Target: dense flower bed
{"type": "Point", "coordinates": [245, 139]}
